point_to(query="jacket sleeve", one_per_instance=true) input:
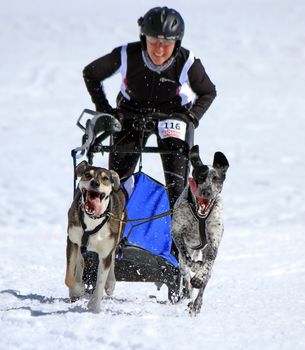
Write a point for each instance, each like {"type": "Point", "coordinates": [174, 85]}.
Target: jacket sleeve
{"type": "Point", "coordinates": [203, 88]}
{"type": "Point", "coordinates": [96, 72]}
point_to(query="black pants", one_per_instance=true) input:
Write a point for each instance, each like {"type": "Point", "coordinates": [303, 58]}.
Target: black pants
{"type": "Point", "coordinates": [175, 165]}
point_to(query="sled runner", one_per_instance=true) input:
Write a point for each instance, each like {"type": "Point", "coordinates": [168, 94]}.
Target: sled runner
{"type": "Point", "coordinates": [146, 252]}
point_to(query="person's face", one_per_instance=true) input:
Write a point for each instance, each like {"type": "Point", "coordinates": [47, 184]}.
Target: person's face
{"type": "Point", "coordinates": [159, 50]}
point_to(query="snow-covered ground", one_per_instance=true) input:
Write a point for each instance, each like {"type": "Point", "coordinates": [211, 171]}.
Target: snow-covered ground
{"type": "Point", "coordinates": [254, 51]}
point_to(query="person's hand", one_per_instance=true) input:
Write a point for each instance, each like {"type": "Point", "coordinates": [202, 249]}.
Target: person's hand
{"type": "Point", "coordinates": [112, 111]}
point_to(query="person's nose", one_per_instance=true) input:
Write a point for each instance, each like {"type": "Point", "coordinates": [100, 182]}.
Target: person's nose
{"type": "Point", "coordinates": [159, 45]}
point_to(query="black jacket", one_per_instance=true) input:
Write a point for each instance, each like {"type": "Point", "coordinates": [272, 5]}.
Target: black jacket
{"type": "Point", "coordinates": [144, 89]}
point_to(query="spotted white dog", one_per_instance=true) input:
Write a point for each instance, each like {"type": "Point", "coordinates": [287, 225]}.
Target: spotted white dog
{"type": "Point", "coordinates": [197, 225]}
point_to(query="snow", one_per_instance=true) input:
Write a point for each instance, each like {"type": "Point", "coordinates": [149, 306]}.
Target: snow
{"type": "Point", "coordinates": [254, 52]}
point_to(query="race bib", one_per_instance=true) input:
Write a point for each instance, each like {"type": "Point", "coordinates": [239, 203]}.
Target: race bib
{"type": "Point", "coordinates": [172, 128]}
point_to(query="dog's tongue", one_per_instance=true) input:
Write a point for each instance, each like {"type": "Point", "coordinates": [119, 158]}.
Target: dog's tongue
{"type": "Point", "coordinates": [93, 203]}
{"type": "Point", "coordinates": [203, 203]}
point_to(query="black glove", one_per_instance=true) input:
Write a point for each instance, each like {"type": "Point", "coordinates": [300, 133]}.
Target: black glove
{"type": "Point", "coordinates": [112, 111]}
{"type": "Point", "coordinates": [188, 117]}
{"type": "Point", "coordinates": [193, 119]}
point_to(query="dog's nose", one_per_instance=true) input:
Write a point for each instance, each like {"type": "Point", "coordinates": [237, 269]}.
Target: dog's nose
{"type": "Point", "coordinates": [94, 183]}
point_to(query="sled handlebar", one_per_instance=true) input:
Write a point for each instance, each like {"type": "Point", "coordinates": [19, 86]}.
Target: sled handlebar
{"type": "Point", "coordinates": [141, 119]}
{"type": "Point", "coordinates": [99, 126]}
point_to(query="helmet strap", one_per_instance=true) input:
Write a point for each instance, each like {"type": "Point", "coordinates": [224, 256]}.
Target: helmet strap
{"type": "Point", "coordinates": [177, 48]}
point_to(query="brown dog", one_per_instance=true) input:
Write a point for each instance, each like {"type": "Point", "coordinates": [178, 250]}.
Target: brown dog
{"type": "Point", "coordinates": [95, 223]}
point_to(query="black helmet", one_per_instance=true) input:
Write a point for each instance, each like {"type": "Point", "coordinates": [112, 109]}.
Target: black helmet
{"type": "Point", "coordinates": [164, 22]}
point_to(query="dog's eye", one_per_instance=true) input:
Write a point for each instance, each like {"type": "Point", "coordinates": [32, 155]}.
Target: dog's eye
{"type": "Point", "coordinates": [87, 175]}
{"type": "Point", "coordinates": [216, 179]}
{"type": "Point", "coordinates": [201, 178]}
{"type": "Point", "coordinates": [105, 178]}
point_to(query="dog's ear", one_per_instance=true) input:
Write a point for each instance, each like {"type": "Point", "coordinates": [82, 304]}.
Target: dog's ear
{"type": "Point", "coordinates": [81, 168]}
{"type": "Point", "coordinates": [221, 163]}
{"type": "Point", "coordinates": [194, 156]}
{"type": "Point", "coordinates": [116, 183]}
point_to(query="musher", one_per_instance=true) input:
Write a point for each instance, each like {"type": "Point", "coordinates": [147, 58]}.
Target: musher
{"type": "Point", "coordinates": [158, 75]}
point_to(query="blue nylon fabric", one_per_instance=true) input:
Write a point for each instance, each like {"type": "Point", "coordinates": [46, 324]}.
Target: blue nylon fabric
{"type": "Point", "coordinates": [150, 198]}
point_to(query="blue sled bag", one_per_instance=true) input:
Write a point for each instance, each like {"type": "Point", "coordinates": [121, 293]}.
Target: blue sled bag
{"type": "Point", "coordinates": [147, 198]}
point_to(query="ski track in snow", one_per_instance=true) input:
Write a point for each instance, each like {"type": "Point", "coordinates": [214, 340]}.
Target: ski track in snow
{"type": "Point", "coordinates": [254, 52]}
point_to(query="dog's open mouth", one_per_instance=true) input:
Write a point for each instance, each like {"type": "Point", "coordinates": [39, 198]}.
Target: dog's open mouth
{"type": "Point", "coordinates": [204, 205]}
{"type": "Point", "coordinates": [93, 202]}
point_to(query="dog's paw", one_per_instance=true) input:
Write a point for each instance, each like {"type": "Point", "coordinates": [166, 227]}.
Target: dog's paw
{"type": "Point", "coordinates": [194, 308]}
{"type": "Point", "coordinates": [94, 306]}
{"type": "Point", "coordinates": [197, 282]}
{"type": "Point", "coordinates": [191, 309]}
{"type": "Point", "coordinates": [74, 299]}
{"type": "Point", "coordinates": [109, 290]}
{"type": "Point", "coordinates": [110, 286]}
{"type": "Point", "coordinates": [77, 292]}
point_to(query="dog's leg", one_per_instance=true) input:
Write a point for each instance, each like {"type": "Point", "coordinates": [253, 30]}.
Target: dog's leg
{"type": "Point", "coordinates": [202, 276]}
{"type": "Point", "coordinates": [195, 306]}
{"type": "Point", "coordinates": [184, 253]}
{"type": "Point", "coordinates": [79, 289]}
{"type": "Point", "coordinates": [187, 288]}
{"type": "Point", "coordinates": [71, 256]}
{"type": "Point", "coordinates": [79, 273]}
{"type": "Point", "coordinates": [74, 270]}
{"type": "Point", "coordinates": [102, 275]}
{"type": "Point", "coordinates": [110, 283]}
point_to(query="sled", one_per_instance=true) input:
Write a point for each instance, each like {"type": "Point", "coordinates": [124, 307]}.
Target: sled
{"type": "Point", "coordinates": [146, 252]}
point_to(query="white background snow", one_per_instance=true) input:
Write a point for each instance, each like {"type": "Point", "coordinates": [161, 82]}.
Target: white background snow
{"type": "Point", "coordinates": [254, 51]}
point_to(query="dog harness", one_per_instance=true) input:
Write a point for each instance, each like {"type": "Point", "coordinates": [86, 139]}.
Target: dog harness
{"type": "Point", "coordinates": [201, 221]}
{"type": "Point", "coordinates": [87, 234]}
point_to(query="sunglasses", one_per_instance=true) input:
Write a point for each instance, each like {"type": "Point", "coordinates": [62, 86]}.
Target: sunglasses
{"type": "Point", "coordinates": [164, 42]}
